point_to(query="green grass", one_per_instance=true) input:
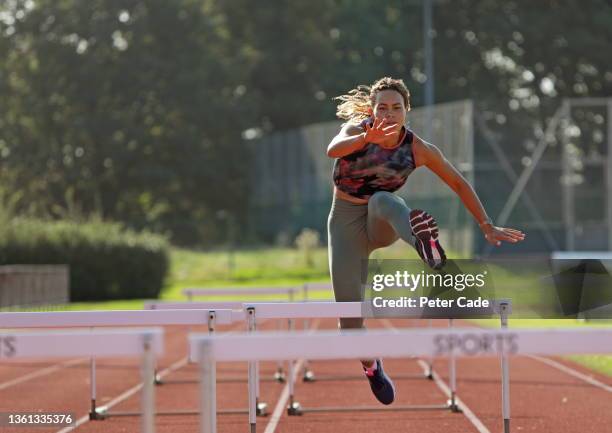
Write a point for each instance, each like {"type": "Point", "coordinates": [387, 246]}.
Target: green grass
{"type": "Point", "coordinates": [261, 267]}
{"type": "Point", "coordinates": [598, 363]}
{"type": "Point", "coordinates": [258, 267]}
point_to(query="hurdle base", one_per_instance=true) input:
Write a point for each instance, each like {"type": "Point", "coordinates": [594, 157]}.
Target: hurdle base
{"type": "Point", "coordinates": [279, 376]}
{"type": "Point", "coordinates": [157, 380]}
{"type": "Point", "coordinates": [428, 407]}
{"type": "Point", "coordinates": [194, 412]}
{"type": "Point", "coordinates": [262, 409]}
{"type": "Point", "coordinates": [99, 414]}
{"type": "Point", "coordinates": [294, 409]}
{"type": "Point", "coordinates": [219, 380]}
{"type": "Point", "coordinates": [350, 377]}
{"type": "Point", "coordinates": [454, 408]}
{"type": "Point", "coordinates": [308, 376]}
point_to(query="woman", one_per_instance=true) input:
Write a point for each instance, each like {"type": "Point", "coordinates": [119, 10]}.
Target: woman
{"type": "Point", "coordinates": [374, 154]}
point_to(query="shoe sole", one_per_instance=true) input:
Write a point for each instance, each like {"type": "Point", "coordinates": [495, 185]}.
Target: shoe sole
{"type": "Point", "coordinates": [425, 229]}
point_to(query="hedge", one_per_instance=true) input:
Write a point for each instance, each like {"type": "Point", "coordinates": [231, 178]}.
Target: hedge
{"type": "Point", "coordinates": [106, 260]}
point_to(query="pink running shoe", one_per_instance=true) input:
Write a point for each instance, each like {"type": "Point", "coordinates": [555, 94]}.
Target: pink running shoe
{"type": "Point", "coordinates": [425, 230]}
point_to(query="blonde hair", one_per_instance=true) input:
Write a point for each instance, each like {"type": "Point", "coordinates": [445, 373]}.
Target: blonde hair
{"type": "Point", "coordinates": [357, 104]}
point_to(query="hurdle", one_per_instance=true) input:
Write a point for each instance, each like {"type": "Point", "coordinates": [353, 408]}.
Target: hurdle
{"type": "Point", "coordinates": [211, 305]}
{"type": "Point", "coordinates": [279, 374]}
{"type": "Point", "coordinates": [193, 305]}
{"type": "Point", "coordinates": [188, 305]}
{"type": "Point", "coordinates": [337, 310]}
{"type": "Point", "coordinates": [146, 343]}
{"type": "Point", "coordinates": [92, 319]}
{"type": "Point", "coordinates": [467, 342]}
{"type": "Point", "coordinates": [289, 291]}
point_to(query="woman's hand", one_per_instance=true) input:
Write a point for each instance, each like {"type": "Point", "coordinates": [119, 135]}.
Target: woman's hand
{"type": "Point", "coordinates": [494, 235]}
{"type": "Point", "coordinates": [380, 131]}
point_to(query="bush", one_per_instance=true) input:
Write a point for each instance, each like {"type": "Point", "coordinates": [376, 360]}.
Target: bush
{"type": "Point", "coordinates": [307, 241]}
{"type": "Point", "coordinates": [106, 260]}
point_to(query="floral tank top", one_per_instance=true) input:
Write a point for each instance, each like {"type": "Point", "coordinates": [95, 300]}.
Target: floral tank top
{"type": "Point", "coordinates": [374, 168]}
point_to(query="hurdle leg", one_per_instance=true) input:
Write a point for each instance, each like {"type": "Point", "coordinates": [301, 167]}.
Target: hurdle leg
{"type": "Point", "coordinates": [452, 374]}
{"type": "Point", "coordinates": [208, 391]}
{"type": "Point", "coordinates": [255, 407]}
{"type": "Point", "coordinates": [294, 407]}
{"type": "Point", "coordinates": [148, 387]}
{"type": "Point", "coordinates": [429, 373]}
{"type": "Point", "coordinates": [505, 373]}
{"type": "Point", "coordinates": [93, 413]}
{"type": "Point", "coordinates": [279, 374]}
{"type": "Point", "coordinates": [308, 374]}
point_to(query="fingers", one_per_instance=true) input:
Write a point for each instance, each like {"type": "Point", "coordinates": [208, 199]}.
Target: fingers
{"type": "Point", "coordinates": [514, 234]}
{"type": "Point", "coordinates": [382, 124]}
{"type": "Point", "coordinates": [514, 231]}
{"type": "Point", "coordinates": [506, 237]}
{"type": "Point", "coordinates": [500, 234]}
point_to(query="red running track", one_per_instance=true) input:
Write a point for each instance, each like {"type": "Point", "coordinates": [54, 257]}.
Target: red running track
{"type": "Point", "coordinates": [543, 398]}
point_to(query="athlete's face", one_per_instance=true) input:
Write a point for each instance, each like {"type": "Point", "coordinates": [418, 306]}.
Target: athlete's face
{"type": "Point", "coordinates": [389, 105]}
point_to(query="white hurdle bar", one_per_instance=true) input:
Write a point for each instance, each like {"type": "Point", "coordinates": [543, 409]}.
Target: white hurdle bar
{"type": "Point", "coordinates": [289, 291]}
{"type": "Point", "coordinates": [91, 319]}
{"type": "Point", "coordinates": [193, 305]}
{"type": "Point", "coordinates": [75, 319]}
{"type": "Point", "coordinates": [313, 310]}
{"type": "Point", "coordinates": [470, 342]}
{"type": "Point", "coordinates": [146, 343]}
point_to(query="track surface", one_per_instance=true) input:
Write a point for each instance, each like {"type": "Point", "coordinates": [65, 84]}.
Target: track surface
{"type": "Point", "coordinates": [543, 398]}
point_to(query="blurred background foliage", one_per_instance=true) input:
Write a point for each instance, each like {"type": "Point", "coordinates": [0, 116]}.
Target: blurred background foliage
{"type": "Point", "coordinates": [140, 112]}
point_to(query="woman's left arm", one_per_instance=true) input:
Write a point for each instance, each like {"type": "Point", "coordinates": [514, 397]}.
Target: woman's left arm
{"type": "Point", "coordinates": [430, 156]}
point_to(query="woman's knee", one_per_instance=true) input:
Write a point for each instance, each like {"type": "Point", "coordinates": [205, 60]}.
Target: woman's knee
{"type": "Point", "coordinates": [382, 201]}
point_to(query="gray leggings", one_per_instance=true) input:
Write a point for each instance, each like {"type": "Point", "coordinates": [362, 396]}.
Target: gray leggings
{"type": "Point", "coordinates": [353, 232]}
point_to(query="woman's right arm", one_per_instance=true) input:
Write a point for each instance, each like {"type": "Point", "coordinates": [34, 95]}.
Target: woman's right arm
{"type": "Point", "coordinates": [350, 139]}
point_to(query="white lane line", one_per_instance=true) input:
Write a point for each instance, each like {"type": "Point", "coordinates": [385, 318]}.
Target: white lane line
{"type": "Point", "coordinates": [574, 373]}
{"type": "Point", "coordinates": [281, 404]}
{"type": "Point", "coordinates": [40, 373]}
{"type": "Point", "coordinates": [446, 390]}
{"type": "Point", "coordinates": [464, 408]}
